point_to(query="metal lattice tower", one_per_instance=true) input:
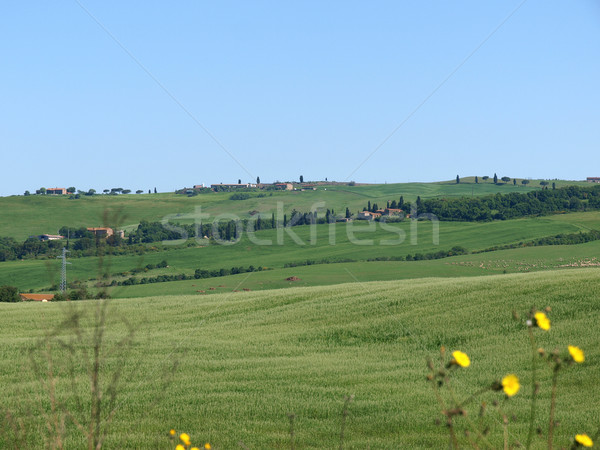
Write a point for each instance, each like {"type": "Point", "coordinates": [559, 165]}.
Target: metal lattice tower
{"type": "Point", "coordinates": [63, 271]}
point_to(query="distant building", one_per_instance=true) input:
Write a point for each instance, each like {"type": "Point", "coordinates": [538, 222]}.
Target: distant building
{"type": "Point", "coordinates": [225, 186]}
{"type": "Point", "coordinates": [368, 215]}
{"type": "Point", "coordinates": [593, 179]}
{"type": "Point", "coordinates": [392, 212]}
{"type": "Point", "coordinates": [105, 232]}
{"type": "Point", "coordinates": [284, 186]}
{"type": "Point", "coordinates": [199, 186]}
{"type": "Point", "coordinates": [36, 297]}
{"type": "Point", "coordinates": [56, 191]}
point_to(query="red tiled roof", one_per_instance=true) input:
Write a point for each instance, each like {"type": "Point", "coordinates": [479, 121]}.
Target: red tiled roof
{"type": "Point", "coordinates": [36, 297]}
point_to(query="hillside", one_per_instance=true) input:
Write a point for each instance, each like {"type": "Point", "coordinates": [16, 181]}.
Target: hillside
{"type": "Point", "coordinates": [248, 359]}
{"type": "Point", "coordinates": [351, 242]}
{"type": "Point", "coordinates": [25, 216]}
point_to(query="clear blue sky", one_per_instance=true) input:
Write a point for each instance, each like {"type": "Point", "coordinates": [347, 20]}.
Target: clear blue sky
{"type": "Point", "coordinates": [290, 88]}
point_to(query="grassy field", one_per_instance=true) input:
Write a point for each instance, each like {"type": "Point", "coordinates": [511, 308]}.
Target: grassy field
{"type": "Point", "coordinates": [32, 215]}
{"type": "Point", "coordinates": [248, 359]}
{"type": "Point", "coordinates": [349, 243]}
{"type": "Point", "coordinates": [522, 260]}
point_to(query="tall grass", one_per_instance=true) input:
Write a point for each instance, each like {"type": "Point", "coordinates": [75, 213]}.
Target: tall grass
{"type": "Point", "coordinates": [248, 359]}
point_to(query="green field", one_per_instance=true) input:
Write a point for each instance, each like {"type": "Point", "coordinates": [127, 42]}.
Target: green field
{"type": "Point", "coordinates": [23, 216]}
{"type": "Point", "coordinates": [248, 359]}
{"type": "Point", "coordinates": [254, 347]}
{"type": "Point", "coordinates": [522, 260]}
{"type": "Point", "coordinates": [349, 243]}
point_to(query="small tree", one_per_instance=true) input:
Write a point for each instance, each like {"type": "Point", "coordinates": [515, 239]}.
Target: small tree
{"type": "Point", "coordinates": [485, 178]}
{"type": "Point", "coordinates": [106, 191]}
{"type": "Point", "coordinates": [257, 180]}
{"type": "Point", "coordinates": [544, 183]}
{"type": "Point", "coordinates": [139, 191]}
{"type": "Point", "coordinates": [457, 179]}
{"type": "Point", "coordinates": [27, 193]}
{"type": "Point", "coordinates": [476, 180]}
{"type": "Point", "coordinates": [239, 181]}
{"type": "Point", "coordinates": [126, 191]}
{"type": "Point", "coordinates": [71, 189]}
{"type": "Point", "coordinates": [301, 179]}
{"type": "Point", "coordinates": [155, 190]}
{"type": "Point", "coordinates": [524, 182]}
{"type": "Point", "coordinates": [347, 213]}
{"type": "Point", "coordinates": [91, 192]}
{"type": "Point", "coordinates": [495, 179]}
{"type": "Point", "coordinates": [553, 185]}
{"type": "Point", "coordinates": [43, 190]}
{"type": "Point", "coordinates": [514, 181]}
{"type": "Point", "coordinates": [505, 179]}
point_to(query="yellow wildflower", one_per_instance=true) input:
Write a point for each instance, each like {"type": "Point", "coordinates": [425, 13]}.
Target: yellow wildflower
{"type": "Point", "coordinates": [461, 359]}
{"type": "Point", "coordinates": [172, 432]}
{"type": "Point", "coordinates": [207, 446]}
{"type": "Point", "coordinates": [542, 321]}
{"type": "Point", "coordinates": [584, 440]}
{"type": "Point", "coordinates": [185, 438]}
{"type": "Point", "coordinates": [576, 354]}
{"type": "Point", "coordinates": [180, 447]}
{"type": "Point", "coordinates": [194, 448]}
{"type": "Point", "coordinates": [510, 385]}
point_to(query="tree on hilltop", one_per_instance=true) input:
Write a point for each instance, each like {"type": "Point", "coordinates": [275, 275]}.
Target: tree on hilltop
{"type": "Point", "coordinates": [505, 179]}
{"type": "Point", "coordinates": [457, 179]}
{"type": "Point", "coordinates": [495, 179]}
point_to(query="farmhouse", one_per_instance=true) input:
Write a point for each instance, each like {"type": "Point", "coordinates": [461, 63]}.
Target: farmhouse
{"type": "Point", "coordinates": [56, 191]}
{"type": "Point", "coordinates": [105, 232]}
{"type": "Point", "coordinates": [36, 297]}
{"type": "Point", "coordinates": [593, 179]}
{"type": "Point", "coordinates": [225, 186]}
{"type": "Point", "coordinates": [284, 186]}
{"type": "Point", "coordinates": [368, 215]}
{"type": "Point", "coordinates": [392, 212]}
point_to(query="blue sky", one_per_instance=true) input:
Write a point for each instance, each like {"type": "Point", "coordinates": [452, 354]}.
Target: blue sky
{"type": "Point", "coordinates": [170, 94]}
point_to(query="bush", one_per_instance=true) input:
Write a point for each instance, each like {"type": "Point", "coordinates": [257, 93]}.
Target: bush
{"type": "Point", "coordinates": [9, 294]}
{"type": "Point", "coordinates": [240, 196]}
